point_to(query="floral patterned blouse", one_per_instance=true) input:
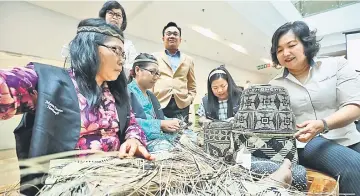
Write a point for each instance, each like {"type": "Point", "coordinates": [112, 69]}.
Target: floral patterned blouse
{"type": "Point", "coordinates": [98, 128]}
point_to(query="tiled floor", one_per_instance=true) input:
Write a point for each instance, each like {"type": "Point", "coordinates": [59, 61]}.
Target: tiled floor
{"type": "Point", "coordinates": [9, 169]}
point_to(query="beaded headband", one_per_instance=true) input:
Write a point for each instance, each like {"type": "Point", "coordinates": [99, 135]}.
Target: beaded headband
{"type": "Point", "coordinates": [215, 72]}
{"type": "Point", "coordinates": [102, 30]}
{"type": "Point", "coordinates": [145, 60]}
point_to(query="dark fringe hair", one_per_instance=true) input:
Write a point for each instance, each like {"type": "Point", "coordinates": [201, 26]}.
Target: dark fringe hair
{"type": "Point", "coordinates": [109, 5]}
{"type": "Point", "coordinates": [303, 33]}
{"type": "Point", "coordinates": [233, 92]}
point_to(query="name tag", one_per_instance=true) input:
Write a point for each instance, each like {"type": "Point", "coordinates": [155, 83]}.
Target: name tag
{"type": "Point", "coordinates": [327, 78]}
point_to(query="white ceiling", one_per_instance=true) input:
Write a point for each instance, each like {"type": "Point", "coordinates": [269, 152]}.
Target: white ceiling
{"type": "Point", "coordinates": [147, 18]}
{"type": "Point", "coordinates": [249, 24]}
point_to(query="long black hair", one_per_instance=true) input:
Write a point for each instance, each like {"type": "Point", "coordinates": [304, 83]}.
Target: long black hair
{"type": "Point", "coordinates": [85, 62]}
{"type": "Point", "coordinates": [233, 91]}
{"type": "Point", "coordinates": [140, 64]}
{"type": "Point", "coordinates": [109, 5]}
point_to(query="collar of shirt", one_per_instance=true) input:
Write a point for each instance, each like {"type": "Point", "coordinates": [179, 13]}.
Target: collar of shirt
{"type": "Point", "coordinates": [177, 53]}
{"type": "Point", "coordinates": [286, 72]}
{"type": "Point", "coordinates": [223, 101]}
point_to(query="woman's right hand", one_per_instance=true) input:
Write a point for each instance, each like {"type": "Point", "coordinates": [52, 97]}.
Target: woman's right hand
{"type": "Point", "coordinates": [170, 125]}
{"type": "Point", "coordinates": [207, 121]}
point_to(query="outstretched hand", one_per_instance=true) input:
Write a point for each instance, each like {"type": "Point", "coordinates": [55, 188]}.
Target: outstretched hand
{"type": "Point", "coordinates": [308, 130]}
{"type": "Point", "coordinates": [133, 147]}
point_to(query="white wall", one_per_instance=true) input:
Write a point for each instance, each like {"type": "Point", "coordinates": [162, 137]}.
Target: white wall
{"type": "Point", "coordinates": [203, 66]}
{"type": "Point", "coordinates": [341, 19]}
{"type": "Point", "coordinates": [28, 29]}
{"type": "Point", "coordinates": [353, 48]}
{"type": "Point", "coordinates": [31, 30]}
{"type": "Point", "coordinates": [329, 24]}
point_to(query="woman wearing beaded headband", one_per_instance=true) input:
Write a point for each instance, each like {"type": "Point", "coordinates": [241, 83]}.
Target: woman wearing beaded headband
{"type": "Point", "coordinates": [160, 131]}
{"type": "Point", "coordinates": [84, 107]}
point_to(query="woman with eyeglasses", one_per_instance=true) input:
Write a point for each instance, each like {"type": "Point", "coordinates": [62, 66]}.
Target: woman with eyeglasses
{"type": "Point", "coordinates": [160, 132]}
{"type": "Point", "coordinates": [85, 107]}
{"type": "Point", "coordinates": [113, 13]}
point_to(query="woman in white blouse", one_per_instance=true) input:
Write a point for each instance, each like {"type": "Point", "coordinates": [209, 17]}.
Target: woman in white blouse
{"type": "Point", "coordinates": [325, 98]}
{"type": "Point", "coordinates": [113, 12]}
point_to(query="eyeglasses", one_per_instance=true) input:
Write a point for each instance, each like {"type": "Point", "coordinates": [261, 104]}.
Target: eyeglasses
{"type": "Point", "coordinates": [153, 72]}
{"type": "Point", "coordinates": [117, 50]}
{"type": "Point", "coordinates": [169, 33]}
{"type": "Point", "coordinates": [112, 14]}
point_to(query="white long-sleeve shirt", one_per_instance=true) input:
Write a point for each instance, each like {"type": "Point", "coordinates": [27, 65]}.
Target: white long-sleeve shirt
{"type": "Point", "coordinates": [332, 83]}
{"type": "Point", "coordinates": [130, 53]}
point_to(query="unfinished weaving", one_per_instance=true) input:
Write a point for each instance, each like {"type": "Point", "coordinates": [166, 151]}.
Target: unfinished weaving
{"type": "Point", "coordinates": [217, 136]}
{"type": "Point", "coordinates": [185, 171]}
{"type": "Point", "coordinates": [266, 124]}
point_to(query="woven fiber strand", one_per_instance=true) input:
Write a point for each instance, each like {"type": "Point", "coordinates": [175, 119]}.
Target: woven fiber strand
{"type": "Point", "coordinates": [187, 170]}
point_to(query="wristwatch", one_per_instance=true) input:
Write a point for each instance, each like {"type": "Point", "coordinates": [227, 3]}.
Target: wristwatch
{"type": "Point", "coordinates": [326, 127]}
